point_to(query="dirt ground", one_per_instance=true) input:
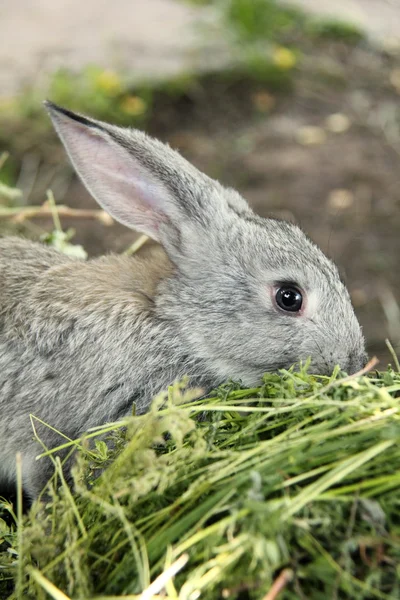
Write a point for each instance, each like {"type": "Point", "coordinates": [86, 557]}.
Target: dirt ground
{"type": "Point", "coordinates": [341, 186]}
{"type": "Point", "coordinates": [149, 38]}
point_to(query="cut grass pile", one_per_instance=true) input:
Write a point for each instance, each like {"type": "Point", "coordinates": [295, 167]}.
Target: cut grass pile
{"type": "Point", "coordinates": [294, 485]}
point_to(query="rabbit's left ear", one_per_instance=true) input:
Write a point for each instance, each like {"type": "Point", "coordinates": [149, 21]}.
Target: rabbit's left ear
{"type": "Point", "coordinates": [139, 181]}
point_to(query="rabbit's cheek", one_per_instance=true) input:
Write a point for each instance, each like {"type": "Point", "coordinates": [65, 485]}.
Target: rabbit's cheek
{"type": "Point", "coordinates": [310, 305]}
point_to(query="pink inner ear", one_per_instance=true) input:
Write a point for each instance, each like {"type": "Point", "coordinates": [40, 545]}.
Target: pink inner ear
{"type": "Point", "coordinates": [126, 189]}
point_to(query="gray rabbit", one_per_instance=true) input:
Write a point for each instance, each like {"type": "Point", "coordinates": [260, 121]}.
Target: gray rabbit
{"type": "Point", "coordinates": [225, 294]}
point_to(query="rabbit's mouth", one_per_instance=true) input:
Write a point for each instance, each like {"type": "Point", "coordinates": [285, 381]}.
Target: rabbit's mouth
{"type": "Point", "coordinates": [356, 363]}
{"type": "Point", "coordinates": [350, 364]}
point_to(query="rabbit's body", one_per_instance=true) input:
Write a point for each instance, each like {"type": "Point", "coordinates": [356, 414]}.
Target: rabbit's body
{"type": "Point", "coordinates": [229, 295]}
{"type": "Point", "coordinates": [52, 346]}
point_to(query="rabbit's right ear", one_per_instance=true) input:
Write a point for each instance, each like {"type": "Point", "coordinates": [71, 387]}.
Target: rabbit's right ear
{"type": "Point", "coordinates": [139, 181]}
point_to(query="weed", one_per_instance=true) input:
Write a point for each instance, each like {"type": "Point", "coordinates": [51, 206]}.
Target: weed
{"type": "Point", "coordinates": [335, 30]}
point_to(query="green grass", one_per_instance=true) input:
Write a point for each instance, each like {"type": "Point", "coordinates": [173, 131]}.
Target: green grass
{"type": "Point", "coordinates": [269, 20]}
{"type": "Point", "coordinates": [298, 478]}
{"type": "Point", "coordinates": [260, 19]}
{"type": "Point", "coordinates": [259, 30]}
{"type": "Point", "coordinates": [104, 93]}
{"type": "Point", "coordinates": [332, 29]}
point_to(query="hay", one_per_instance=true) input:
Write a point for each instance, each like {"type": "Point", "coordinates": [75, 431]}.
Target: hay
{"type": "Point", "coordinates": [292, 487]}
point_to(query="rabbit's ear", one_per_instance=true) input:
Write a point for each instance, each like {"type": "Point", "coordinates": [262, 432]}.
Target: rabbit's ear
{"type": "Point", "coordinates": [139, 181]}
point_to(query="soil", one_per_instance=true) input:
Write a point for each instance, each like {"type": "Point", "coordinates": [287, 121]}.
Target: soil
{"type": "Point", "coordinates": [148, 38]}
{"type": "Point", "coordinates": [343, 188]}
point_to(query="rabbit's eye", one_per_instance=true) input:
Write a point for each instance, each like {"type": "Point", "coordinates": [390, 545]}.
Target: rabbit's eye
{"type": "Point", "coordinates": [288, 298]}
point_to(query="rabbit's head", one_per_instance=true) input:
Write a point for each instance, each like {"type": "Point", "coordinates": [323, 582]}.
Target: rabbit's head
{"type": "Point", "coordinates": [249, 294]}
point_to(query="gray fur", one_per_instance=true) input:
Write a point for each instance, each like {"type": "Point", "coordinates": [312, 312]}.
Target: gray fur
{"type": "Point", "coordinates": [80, 341]}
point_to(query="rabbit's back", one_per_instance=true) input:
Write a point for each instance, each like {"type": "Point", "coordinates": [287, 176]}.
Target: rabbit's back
{"type": "Point", "coordinates": [73, 330]}
{"type": "Point", "coordinates": [49, 287]}
{"type": "Point", "coordinates": [22, 263]}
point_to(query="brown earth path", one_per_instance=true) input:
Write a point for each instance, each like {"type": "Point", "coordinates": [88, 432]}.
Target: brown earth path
{"type": "Point", "coordinates": [150, 37]}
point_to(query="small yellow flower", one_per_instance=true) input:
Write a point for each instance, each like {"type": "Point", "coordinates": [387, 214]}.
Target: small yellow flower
{"type": "Point", "coordinates": [109, 82]}
{"type": "Point", "coordinates": [133, 105]}
{"type": "Point", "coordinates": [284, 58]}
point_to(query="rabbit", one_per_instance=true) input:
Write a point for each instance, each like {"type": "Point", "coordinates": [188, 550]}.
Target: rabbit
{"type": "Point", "coordinates": [224, 294]}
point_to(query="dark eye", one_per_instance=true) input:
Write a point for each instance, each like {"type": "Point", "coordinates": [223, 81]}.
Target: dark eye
{"type": "Point", "coordinates": [289, 298]}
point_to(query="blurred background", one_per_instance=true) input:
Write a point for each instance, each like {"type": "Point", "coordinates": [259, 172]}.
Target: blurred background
{"type": "Point", "coordinates": [296, 105]}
